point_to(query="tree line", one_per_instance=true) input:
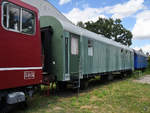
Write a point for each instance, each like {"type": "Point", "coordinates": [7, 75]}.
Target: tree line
{"type": "Point", "coordinates": [110, 28]}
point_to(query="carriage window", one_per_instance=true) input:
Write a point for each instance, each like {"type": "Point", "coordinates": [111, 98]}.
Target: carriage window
{"type": "Point", "coordinates": [5, 9]}
{"type": "Point", "coordinates": [121, 50]}
{"type": "Point", "coordinates": [28, 22]}
{"type": "Point", "coordinates": [11, 16]}
{"type": "Point", "coordinates": [14, 17]}
{"type": "Point", "coordinates": [17, 19]}
{"type": "Point", "coordinates": [74, 46]}
{"type": "Point", "coordinates": [90, 48]}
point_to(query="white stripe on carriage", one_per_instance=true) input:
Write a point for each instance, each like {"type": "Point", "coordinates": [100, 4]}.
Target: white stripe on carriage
{"type": "Point", "coordinates": [20, 68]}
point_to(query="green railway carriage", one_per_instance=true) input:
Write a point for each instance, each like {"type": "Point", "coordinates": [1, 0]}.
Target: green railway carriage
{"type": "Point", "coordinates": [77, 52]}
{"type": "Point", "coordinates": [74, 53]}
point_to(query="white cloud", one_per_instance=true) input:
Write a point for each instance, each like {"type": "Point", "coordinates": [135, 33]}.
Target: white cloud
{"type": "Point", "coordinates": [88, 14]}
{"type": "Point", "coordinates": [141, 29]}
{"type": "Point", "coordinates": [145, 48]}
{"type": "Point", "coordinates": [61, 2]}
{"type": "Point", "coordinates": [126, 9]}
{"type": "Point", "coordinates": [117, 11]}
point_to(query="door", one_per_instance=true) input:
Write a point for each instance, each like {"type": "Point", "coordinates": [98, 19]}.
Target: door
{"type": "Point", "coordinates": [66, 55]}
{"type": "Point", "coordinates": [123, 59]}
{"type": "Point", "coordinates": [108, 59]}
{"type": "Point", "coordinates": [46, 38]}
{"type": "Point", "coordinates": [74, 56]}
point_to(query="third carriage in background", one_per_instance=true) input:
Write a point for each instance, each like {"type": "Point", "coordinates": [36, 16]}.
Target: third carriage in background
{"type": "Point", "coordinates": [140, 61]}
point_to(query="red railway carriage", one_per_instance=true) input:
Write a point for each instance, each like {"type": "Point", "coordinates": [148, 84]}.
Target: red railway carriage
{"type": "Point", "coordinates": [20, 50]}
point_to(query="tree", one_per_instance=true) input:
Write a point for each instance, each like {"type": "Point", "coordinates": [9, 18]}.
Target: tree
{"type": "Point", "coordinates": [140, 50]}
{"type": "Point", "coordinates": [147, 54]}
{"type": "Point", "coordinates": [112, 29]}
{"type": "Point", "coordinates": [81, 24]}
{"type": "Point", "coordinates": [149, 62]}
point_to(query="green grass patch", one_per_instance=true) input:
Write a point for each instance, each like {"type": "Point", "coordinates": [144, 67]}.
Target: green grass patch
{"type": "Point", "coordinates": [120, 96]}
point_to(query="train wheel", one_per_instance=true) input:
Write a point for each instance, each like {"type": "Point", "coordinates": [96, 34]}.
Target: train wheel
{"type": "Point", "coordinates": [130, 73]}
{"type": "Point", "coordinates": [1, 106]}
{"type": "Point", "coordinates": [122, 75]}
{"type": "Point", "coordinates": [143, 70]}
{"type": "Point", "coordinates": [84, 84]}
{"type": "Point", "coordinates": [103, 78]}
{"type": "Point", "coordinates": [4, 108]}
{"type": "Point", "coordinates": [108, 77]}
{"type": "Point", "coordinates": [61, 86]}
{"type": "Point", "coordinates": [23, 105]}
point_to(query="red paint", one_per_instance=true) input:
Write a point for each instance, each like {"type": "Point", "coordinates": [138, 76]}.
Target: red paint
{"type": "Point", "coordinates": [19, 50]}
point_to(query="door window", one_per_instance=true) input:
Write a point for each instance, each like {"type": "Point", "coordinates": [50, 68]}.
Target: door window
{"type": "Point", "coordinates": [28, 22]}
{"type": "Point", "coordinates": [74, 46]}
{"type": "Point", "coordinates": [11, 16]}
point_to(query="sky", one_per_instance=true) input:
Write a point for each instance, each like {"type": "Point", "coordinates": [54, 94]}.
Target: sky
{"type": "Point", "coordinates": [135, 15]}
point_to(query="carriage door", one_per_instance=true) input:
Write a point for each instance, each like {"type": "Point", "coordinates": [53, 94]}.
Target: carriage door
{"type": "Point", "coordinates": [74, 56]}
{"type": "Point", "coordinates": [123, 59]}
{"type": "Point", "coordinates": [46, 38]}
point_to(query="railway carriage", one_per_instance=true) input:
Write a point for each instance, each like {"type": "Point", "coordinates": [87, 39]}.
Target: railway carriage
{"type": "Point", "coordinates": [140, 61]}
{"type": "Point", "coordinates": [80, 54]}
{"type": "Point", "coordinates": [20, 59]}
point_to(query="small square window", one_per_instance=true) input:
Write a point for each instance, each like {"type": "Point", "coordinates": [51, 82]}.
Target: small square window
{"type": "Point", "coordinates": [121, 50]}
{"type": "Point", "coordinates": [90, 48]}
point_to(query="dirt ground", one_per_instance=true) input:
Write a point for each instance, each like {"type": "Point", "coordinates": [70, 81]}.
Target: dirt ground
{"type": "Point", "coordinates": [144, 79]}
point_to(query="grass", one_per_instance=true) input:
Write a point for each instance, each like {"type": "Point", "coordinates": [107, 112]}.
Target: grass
{"type": "Point", "coordinates": [119, 96]}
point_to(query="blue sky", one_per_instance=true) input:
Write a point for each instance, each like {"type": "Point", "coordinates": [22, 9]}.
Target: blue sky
{"type": "Point", "coordinates": [135, 15]}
